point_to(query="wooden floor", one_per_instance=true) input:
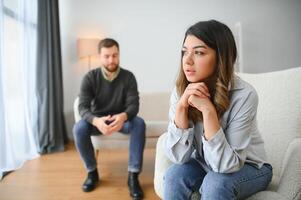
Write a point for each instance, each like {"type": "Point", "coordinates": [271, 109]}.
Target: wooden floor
{"type": "Point", "coordinates": [59, 176]}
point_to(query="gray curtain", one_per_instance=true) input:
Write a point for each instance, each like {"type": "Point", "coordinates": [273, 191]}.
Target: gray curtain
{"type": "Point", "coordinates": [51, 122]}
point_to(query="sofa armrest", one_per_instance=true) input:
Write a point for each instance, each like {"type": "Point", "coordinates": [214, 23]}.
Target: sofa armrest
{"type": "Point", "coordinates": [267, 195]}
{"type": "Point", "coordinates": [161, 164]}
{"type": "Point", "coordinates": [290, 180]}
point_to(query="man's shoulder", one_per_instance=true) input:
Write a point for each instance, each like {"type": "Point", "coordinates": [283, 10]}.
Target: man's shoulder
{"type": "Point", "coordinates": [93, 72]}
{"type": "Point", "coordinates": [126, 73]}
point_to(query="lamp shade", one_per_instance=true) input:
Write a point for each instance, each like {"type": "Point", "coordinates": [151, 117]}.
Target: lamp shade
{"type": "Point", "coordinates": [87, 47]}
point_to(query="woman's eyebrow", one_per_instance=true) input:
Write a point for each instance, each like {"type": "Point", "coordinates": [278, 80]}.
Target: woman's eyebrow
{"type": "Point", "coordinates": [195, 47]}
{"type": "Point", "coordinates": [200, 46]}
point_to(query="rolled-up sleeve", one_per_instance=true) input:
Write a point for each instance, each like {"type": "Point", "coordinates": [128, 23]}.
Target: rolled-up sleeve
{"type": "Point", "coordinates": [226, 152]}
{"type": "Point", "coordinates": [178, 144]}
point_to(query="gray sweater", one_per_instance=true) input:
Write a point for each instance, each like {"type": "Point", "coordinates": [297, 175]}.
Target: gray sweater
{"type": "Point", "coordinates": [236, 142]}
{"type": "Point", "coordinates": [100, 97]}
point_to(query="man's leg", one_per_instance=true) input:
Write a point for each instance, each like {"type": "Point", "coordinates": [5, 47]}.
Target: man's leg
{"type": "Point", "coordinates": [82, 137]}
{"type": "Point", "coordinates": [136, 129]}
{"type": "Point", "coordinates": [237, 185]}
{"type": "Point", "coordinates": [181, 181]}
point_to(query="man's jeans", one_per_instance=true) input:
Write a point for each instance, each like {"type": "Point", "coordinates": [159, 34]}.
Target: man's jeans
{"type": "Point", "coordinates": [83, 130]}
{"type": "Point", "coordinates": [180, 181]}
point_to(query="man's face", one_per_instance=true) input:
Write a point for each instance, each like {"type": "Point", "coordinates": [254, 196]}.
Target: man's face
{"type": "Point", "coordinates": [109, 58]}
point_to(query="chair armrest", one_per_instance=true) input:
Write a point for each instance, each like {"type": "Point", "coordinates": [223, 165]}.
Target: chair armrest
{"type": "Point", "coordinates": [161, 164]}
{"type": "Point", "coordinates": [290, 179]}
{"type": "Point", "coordinates": [77, 116]}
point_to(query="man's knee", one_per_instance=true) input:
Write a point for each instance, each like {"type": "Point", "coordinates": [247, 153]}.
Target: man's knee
{"type": "Point", "coordinates": [138, 124]}
{"type": "Point", "coordinates": [138, 121]}
{"type": "Point", "coordinates": [81, 128]}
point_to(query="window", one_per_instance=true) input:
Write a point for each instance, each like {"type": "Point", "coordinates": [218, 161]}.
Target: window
{"type": "Point", "coordinates": [16, 59]}
{"type": "Point", "coordinates": [18, 135]}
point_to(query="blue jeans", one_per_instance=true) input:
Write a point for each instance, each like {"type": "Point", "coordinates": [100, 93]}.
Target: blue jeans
{"type": "Point", "coordinates": [83, 130]}
{"type": "Point", "coordinates": [180, 181]}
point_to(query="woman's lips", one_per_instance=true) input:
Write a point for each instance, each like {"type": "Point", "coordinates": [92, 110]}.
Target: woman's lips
{"type": "Point", "coordinates": [189, 72]}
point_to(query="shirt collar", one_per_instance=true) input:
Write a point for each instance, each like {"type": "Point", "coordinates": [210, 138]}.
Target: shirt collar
{"type": "Point", "coordinates": [237, 84]}
{"type": "Point", "coordinates": [114, 75]}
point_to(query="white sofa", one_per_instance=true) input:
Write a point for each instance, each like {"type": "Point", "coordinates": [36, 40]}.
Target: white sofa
{"type": "Point", "coordinates": [153, 109]}
{"type": "Point", "coordinates": [279, 121]}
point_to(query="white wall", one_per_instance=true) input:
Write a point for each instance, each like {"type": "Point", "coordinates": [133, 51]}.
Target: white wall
{"type": "Point", "coordinates": [150, 34]}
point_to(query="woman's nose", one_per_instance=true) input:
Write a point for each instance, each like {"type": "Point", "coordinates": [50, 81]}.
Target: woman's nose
{"type": "Point", "coordinates": [189, 58]}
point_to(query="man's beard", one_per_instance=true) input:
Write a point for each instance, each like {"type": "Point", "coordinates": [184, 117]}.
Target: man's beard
{"type": "Point", "coordinates": [110, 69]}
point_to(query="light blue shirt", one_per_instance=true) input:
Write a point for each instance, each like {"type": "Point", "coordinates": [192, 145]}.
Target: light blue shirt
{"type": "Point", "coordinates": [236, 142]}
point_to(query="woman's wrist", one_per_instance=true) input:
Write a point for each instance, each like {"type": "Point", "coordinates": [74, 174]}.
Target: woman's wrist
{"type": "Point", "coordinates": [211, 123]}
{"type": "Point", "coordinates": [181, 107]}
{"type": "Point", "coordinates": [181, 117]}
{"type": "Point", "coordinates": [208, 112]}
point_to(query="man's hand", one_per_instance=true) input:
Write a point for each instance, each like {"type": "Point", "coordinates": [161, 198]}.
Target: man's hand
{"type": "Point", "coordinates": [110, 124]}
{"type": "Point", "coordinates": [101, 124]}
{"type": "Point", "coordinates": [117, 121]}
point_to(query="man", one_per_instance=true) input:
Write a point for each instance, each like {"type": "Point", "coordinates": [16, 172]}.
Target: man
{"type": "Point", "coordinates": [109, 102]}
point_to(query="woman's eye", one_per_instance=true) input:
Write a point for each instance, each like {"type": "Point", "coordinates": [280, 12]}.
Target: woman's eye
{"type": "Point", "coordinates": [198, 53]}
{"type": "Point", "coordinates": [184, 52]}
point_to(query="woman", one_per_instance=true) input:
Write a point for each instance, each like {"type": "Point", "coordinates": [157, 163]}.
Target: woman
{"type": "Point", "coordinates": [212, 136]}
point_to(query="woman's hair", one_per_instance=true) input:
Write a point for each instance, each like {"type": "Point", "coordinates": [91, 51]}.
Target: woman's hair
{"type": "Point", "coordinates": [219, 37]}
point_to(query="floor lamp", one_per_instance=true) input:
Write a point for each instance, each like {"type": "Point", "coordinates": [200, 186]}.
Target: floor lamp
{"type": "Point", "coordinates": [86, 48]}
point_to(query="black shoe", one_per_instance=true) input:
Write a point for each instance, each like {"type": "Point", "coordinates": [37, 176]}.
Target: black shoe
{"type": "Point", "coordinates": [134, 186]}
{"type": "Point", "coordinates": [91, 181]}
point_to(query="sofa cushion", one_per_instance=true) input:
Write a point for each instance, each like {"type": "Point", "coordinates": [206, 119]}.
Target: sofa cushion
{"type": "Point", "coordinates": [154, 106]}
{"type": "Point", "coordinates": [155, 128]}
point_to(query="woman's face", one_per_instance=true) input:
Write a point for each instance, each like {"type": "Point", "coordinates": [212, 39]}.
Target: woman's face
{"type": "Point", "coordinates": [198, 61]}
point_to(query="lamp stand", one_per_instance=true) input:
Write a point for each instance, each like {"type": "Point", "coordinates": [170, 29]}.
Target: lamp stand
{"type": "Point", "coordinates": [89, 62]}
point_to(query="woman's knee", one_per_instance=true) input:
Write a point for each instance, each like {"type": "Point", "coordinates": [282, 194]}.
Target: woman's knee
{"type": "Point", "coordinates": [182, 174]}
{"type": "Point", "coordinates": [216, 184]}
{"type": "Point", "coordinates": [181, 180]}
{"type": "Point", "coordinates": [173, 177]}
